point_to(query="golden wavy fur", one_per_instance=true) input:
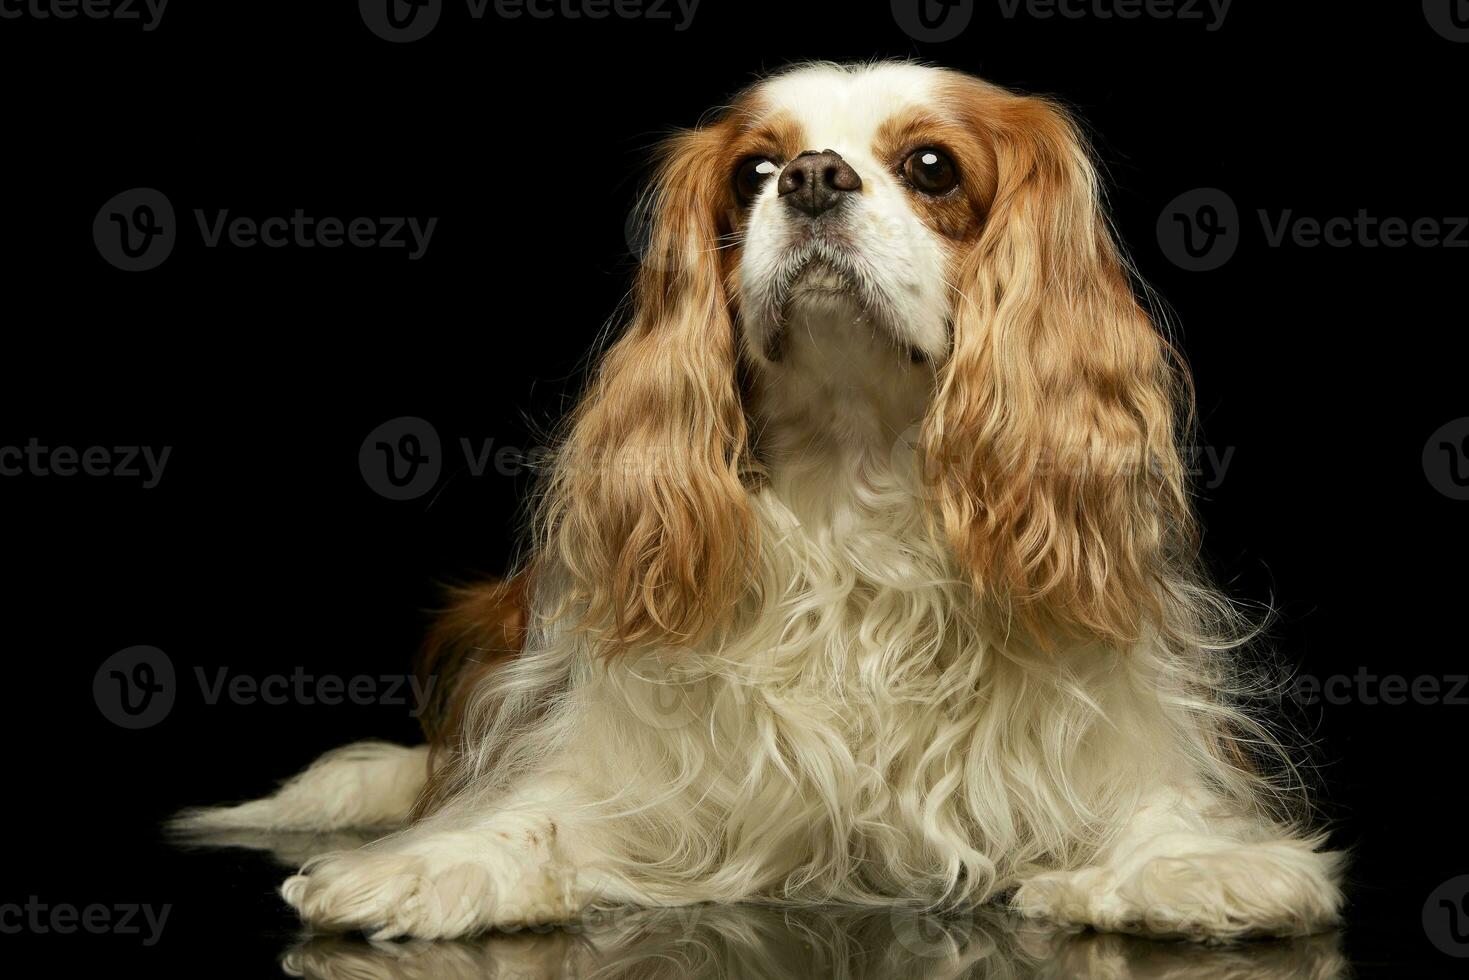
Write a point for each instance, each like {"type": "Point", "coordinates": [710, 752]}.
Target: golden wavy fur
{"type": "Point", "coordinates": [1054, 438]}
{"type": "Point", "coordinates": [646, 506]}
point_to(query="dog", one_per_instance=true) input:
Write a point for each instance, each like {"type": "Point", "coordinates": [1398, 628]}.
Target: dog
{"type": "Point", "coordinates": [864, 572]}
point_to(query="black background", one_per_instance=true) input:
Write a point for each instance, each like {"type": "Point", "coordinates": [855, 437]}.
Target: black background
{"type": "Point", "coordinates": [1324, 370]}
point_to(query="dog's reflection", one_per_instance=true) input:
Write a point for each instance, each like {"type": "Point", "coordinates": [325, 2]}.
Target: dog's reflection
{"type": "Point", "coordinates": [761, 943]}
{"type": "Point", "coordinates": [706, 942]}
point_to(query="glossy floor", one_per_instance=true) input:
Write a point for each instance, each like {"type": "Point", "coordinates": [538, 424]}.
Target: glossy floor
{"type": "Point", "coordinates": [709, 942]}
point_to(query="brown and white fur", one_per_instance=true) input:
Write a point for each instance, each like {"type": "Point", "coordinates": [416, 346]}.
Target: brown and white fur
{"type": "Point", "coordinates": [865, 574]}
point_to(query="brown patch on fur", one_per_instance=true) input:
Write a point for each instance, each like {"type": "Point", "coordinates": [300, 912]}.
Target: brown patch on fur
{"type": "Point", "coordinates": [482, 627]}
{"type": "Point", "coordinates": [778, 137]}
{"type": "Point", "coordinates": [958, 215]}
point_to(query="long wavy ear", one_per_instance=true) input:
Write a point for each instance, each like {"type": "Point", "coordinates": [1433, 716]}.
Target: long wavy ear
{"type": "Point", "coordinates": [645, 510]}
{"type": "Point", "coordinates": [1052, 444]}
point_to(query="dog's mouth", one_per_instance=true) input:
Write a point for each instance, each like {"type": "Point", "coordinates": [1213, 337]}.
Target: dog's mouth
{"type": "Point", "coordinates": [822, 282]}
{"type": "Point", "coordinates": [817, 278]}
{"type": "Point", "coordinates": [816, 281]}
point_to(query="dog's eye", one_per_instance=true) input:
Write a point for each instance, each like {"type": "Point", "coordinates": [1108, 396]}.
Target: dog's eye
{"type": "Point", "coordinates": [752, 175]}
{"type": "Point", "coordinates": [931, 171]}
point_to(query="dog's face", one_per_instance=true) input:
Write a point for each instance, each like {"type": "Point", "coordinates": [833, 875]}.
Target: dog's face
{"type": "Point", "coordinates": [850, 204]}
{"type": "Point", "coordinates": [959, 225]}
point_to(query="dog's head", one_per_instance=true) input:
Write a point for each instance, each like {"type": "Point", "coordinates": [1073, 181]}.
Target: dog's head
{"type": "Point", "coordinates": [961, 224]}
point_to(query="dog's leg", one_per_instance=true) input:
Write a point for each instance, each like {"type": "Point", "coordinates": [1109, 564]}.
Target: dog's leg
{"type": "Point", "coordinates": [526, 861]}
{"type": "Point", "coordinates": [363, 785]}
{"type": "Point", "coordinates": [1177, 871]}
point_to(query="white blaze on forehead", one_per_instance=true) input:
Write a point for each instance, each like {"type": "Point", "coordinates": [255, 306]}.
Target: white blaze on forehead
{"type": "Point", "coordinates": [893, 260]}
{"type": "Point", "coordinates": [843, 108]}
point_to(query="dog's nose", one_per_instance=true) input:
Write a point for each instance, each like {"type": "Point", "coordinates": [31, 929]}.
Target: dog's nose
{"type": "Point", "coordinates": [814, 182]}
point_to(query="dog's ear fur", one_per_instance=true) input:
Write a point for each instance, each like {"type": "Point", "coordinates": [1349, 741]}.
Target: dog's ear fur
{"type": "Point", "coordinates": [645, 512]}
{"type": "Point", "coordinates": [1053, 441]}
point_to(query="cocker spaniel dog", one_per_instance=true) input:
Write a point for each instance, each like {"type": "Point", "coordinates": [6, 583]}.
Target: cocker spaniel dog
{"type": "Point", "coordinates": [864, 572]}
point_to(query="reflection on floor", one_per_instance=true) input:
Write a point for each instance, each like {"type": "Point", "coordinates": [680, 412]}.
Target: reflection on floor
{"type": "Point", "coordinates": [766, 943]}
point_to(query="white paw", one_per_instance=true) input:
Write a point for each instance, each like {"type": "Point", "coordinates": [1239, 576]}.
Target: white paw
{"type": "Point", "coordinates": [433, 892]}
{"type": "Point", "coordinates": [1279, 888]}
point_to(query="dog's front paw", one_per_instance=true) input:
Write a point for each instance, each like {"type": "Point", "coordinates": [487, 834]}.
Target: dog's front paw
{"type": "Point", "coordinates": [1268, 889]}
{"type": "Point", "coordinates": [389, 894]}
